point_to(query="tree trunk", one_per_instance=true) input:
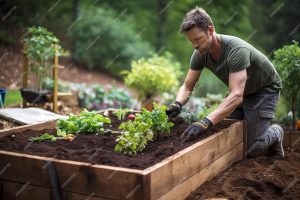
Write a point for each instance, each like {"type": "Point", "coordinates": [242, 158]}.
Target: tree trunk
{"type": "Point", "coordinates": [162, 8]}
{"type": "Point", "coordinates": [75, 9]}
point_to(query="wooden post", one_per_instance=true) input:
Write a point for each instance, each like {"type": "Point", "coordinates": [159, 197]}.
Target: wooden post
{"type": "Point", "coordinates": [25, 71]}
{"type": "Point", "coordinates": [55, 77]}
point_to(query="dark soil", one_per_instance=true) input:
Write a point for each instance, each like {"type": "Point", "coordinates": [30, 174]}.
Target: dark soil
{"type": "Point", "coordinates": [259, 178]}
{"type": "Point", "coordinates": [99, 149]}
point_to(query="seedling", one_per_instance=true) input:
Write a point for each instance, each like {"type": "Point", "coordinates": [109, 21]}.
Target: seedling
{"type": "Point", "coordinates": [121, 113]}
{"type": "Point", "coordinates": [47, 136]}
{"type": "Point", "coordinates": [43, 137]}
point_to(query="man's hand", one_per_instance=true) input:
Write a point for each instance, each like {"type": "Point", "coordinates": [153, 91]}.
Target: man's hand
{"type": "Point", "coordinates": [174, 109]}
{"type": "Point", "coordinates": [196, 129]}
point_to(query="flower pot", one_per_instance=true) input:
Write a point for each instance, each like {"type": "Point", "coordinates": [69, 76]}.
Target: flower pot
{"type": "Point", "coordinates": [33, 96]}
{"type": "Point", "coordinates": [2, 97]}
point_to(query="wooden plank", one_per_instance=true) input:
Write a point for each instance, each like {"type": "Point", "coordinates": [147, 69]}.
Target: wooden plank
{"type": "Point", "coordinates": [55, 80]}
{"type": "Point", "coordinates": [38, 126]}
{"type": "Point", "coordinates": [181, 166]}
{"type": "Point", "coordinates": [292, 139]}
{"type": "Point", "coordinates": [104, 181]}
{"type": "Point", "coordinates": [16, 191]}
{"type": "Point", "coordinates": [25, 71]}
{"type": "Point", "coordinates": [184, 189]}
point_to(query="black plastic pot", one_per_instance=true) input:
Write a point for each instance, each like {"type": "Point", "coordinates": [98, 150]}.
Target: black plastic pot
{"type": "Point", "coordinates": [33, 96]}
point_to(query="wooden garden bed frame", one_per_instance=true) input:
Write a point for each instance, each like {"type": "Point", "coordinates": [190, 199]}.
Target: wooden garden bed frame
{"type": "Point", "coordinates": [26, 176]}
{"type": "Point", "coordinates": [292, 139]}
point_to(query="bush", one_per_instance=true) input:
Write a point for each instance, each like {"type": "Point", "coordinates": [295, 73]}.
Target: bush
{"type": "Point", "coordinates": [287, 62]}
{"type": "Point", "coordinates": [153, 76]}
{"type": "Point", "coordinates": [103, 40]}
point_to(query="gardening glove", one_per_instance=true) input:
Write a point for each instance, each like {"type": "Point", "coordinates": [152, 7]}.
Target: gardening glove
{"type": "Point", "coordinates": [174, 109]}
{"type": "Point", "coordinates": [196, 129]}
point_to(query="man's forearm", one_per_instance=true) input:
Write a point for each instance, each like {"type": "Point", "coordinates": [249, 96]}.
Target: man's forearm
{"type": "Point", "coordinates": [183, 95]}
{"type": "Point", "coordinates": [231, 102]}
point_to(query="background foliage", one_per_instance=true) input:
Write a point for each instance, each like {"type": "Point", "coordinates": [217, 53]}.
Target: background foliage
{"type": "Point", "coordinates": [136, 28]}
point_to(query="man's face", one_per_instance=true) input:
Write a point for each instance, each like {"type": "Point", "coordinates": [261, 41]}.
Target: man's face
{"type": "Point", "coordinates": [200, 39]}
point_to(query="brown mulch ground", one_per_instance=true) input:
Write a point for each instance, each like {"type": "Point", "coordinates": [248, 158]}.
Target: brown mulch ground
{"type": "Point", "coordinates": [259, 178]}
{"type": "Point", "coordinates": [11, 66]}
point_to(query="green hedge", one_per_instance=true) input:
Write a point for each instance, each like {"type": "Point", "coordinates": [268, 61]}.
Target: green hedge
{"type": "Point", "coordinates": [103, 39]}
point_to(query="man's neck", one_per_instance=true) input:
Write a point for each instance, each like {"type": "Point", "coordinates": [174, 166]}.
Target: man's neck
{"type": "Point", "coordinates": [215, 48]}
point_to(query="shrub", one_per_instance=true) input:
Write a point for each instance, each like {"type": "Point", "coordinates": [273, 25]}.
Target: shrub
{"type": "Point", "coordinates": [40, 52]}
{"type": "Point", "coordinates": [102, 40]}
{"type": "Point", "coordinates": [96, 97]}
{"type": "Point", "coordinates": [287, 62]}
{"type": "Point", "coordinates": [153, 76]}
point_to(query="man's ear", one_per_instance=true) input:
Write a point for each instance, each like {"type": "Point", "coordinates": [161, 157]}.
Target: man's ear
{"type": "Point", "coordinates": [211, 30]}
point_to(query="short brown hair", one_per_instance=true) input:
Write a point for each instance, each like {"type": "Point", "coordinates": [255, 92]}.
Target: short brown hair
{"type": "Point", "coordinates": [197, 17]}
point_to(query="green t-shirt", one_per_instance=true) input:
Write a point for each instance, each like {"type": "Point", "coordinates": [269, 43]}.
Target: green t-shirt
{"type": "Point", "coordinates": [236, 55]}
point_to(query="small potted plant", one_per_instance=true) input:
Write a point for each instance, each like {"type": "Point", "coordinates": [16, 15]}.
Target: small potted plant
{"type": "Point", "coordinates": [152, 77]}
{"type": "Point", "coordinates": [40, 52]}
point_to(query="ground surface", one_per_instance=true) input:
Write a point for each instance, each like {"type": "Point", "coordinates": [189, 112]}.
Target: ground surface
{"type": "Point", "coordinates": [258, 178]}
{"type": "Point", "coordinates": [11, 62]}
{"type": "Point", "coordinates": [93, 148]}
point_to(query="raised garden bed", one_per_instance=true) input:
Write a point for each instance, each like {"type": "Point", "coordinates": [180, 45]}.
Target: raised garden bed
{"type": "Point", "coordinates": [88, 166]}
{"type": "Point", "coordinates": [292, 139]}
{"type": "Point", "coordinates": [4, 124]}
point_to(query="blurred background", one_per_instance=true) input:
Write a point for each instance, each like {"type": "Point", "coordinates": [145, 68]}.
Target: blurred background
{"type": "Point", "coordinates": [103, 38]}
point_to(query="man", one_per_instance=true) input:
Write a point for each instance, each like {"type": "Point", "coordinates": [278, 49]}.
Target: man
{"type": "Point", "coordinates": [252, 80]}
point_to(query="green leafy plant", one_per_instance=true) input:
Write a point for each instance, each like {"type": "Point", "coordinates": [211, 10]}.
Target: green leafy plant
{"type": "Point", "coordinates": [153, 76]}
{"type": "Point", "coordinates": [48, 84]}
{"type": "Point", "coordinates": [134, 138]}
{"type": "Point", "coordinates": [39, 47]}
{"type": "Point", "coordinates": [43, 137]}
{"type": "Point", "coordinates": [85, 122]}
{"type": "Point", "coordinates": [159, 119]}
{"type": "Point", "coordinates": [287, 63]}
{"type": "Point", "coordinates": [190, 117]}
{"type": "Point", "coordinates": [121, 113]}
{"type": "Point", "coordinates": [145, 126]}
{"type": "Point", "coordinates": [206, 111]}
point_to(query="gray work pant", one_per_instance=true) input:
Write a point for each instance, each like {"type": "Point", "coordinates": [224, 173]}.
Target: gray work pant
{"type": "Point", "coordinates": [258, 110]}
